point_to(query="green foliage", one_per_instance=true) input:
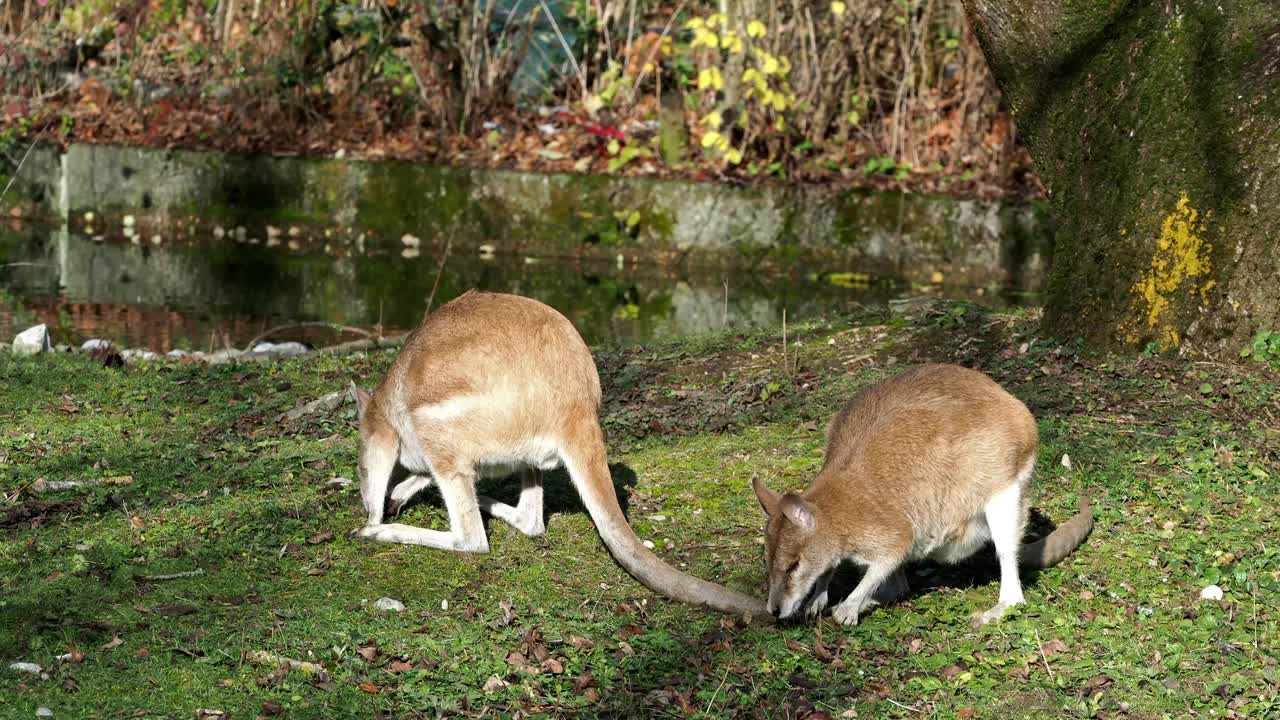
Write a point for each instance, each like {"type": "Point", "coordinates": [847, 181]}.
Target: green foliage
{"type": "Point", "coordinates": [1265, 348]}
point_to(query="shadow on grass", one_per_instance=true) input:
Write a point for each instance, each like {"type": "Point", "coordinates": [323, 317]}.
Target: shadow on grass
{"type": "Point", "coordinates": [558, 493]}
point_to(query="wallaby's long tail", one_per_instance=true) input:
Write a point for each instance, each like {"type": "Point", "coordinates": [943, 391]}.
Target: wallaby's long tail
{"type": "Point", "coordinates": [589, 469]}
{"type": "Point", "coordinates": [1052, 548]}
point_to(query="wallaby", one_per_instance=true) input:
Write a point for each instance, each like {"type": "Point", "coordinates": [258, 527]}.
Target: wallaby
{"type": "Point", "coordinates": [931, 463]}
{"type": "Point", "coordinates": [486, 385]}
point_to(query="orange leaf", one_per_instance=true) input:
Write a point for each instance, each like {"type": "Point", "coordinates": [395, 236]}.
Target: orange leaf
{"type": "Point", "coordinates": [369, 687]}
{"type": "Point", "coordinates": [136, 522]}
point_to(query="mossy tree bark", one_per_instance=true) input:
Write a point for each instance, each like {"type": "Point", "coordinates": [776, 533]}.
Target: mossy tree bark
{"type": "Point", "coordinates": [1156, 128]}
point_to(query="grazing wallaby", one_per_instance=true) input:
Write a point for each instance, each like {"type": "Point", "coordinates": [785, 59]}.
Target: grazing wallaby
{"type": "Point", "coordinates": [931, 463]}
{"type": "Point", "coordinates": [486, 385]}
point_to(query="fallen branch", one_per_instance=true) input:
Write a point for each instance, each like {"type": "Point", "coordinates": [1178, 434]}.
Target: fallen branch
{"type": "Point", "coordinates": [367, 344]}
{"type": "Point", "coordinates": [336, 327]}
{"type": "Point", "coordinates": [44, 486]}
{"type": "Point", "coordinates": [324, 403]}
{"type": "Point", "coordinates": [258, 657]}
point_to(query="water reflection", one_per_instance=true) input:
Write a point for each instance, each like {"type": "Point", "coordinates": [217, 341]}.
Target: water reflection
{"type": "Point", "coordinates": [214, 293]}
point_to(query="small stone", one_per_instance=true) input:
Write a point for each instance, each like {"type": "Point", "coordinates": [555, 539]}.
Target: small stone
{"type": "Point", "coordinates": [409, 253]}
{"type": "Point", "coordinates": [25, 667]}
{"type": "Point", "coordinates": [410, 240]}
{"type": "Point", "coordinates": [273, 231]}
{"type": "Point", "coordinates": [388, 604]}
{"type": "Point", "coordinates": [88, 217]}
{"type": "Point", "coordinates": [648, 544]}
{"type": "Point", "coordinates": [33, 340]}
{"type": "Point", "coordinates": [444, 604]}
{"type": "Point", "coordinates": [94, 344]}
{"type": "Point", "coordinates": [156, 239]}
{"type": "Point", "coordinates": [138, 355]}
{"type": "Point", "coordinates": [44, 712]}
{"type": "Point", "coordinates": [1212, 592]}
{"type": "Point", "coordinates": [128, 221]}
{"type": "Point", "coordinates": [218, 232]}
{"type": "Point", "coordinates": [177, 354]}
{"type": "Point", "coordinates": [1066, 461]}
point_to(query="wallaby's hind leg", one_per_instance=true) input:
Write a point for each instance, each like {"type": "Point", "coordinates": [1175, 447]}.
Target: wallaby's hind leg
{"type": "Point", "coordinates": [401, 493]}
{"type": "Point", "coordinates": [466, 528]}
{"type": "Point", "coordinates": [1005, 519]}
{"type": "Point", "coordinates": [527, 515]}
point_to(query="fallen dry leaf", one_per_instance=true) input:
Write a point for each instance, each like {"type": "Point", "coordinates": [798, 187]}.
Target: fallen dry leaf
{"type": "Point", "coordinates": [964, 713]}
{"type": "Point", "coordinates": [494, 683]}
{"type": "Point", "coordinates": [583, 681]}
{"type": "Point", "coordinates": [368, 652]}
{"type": "Point", "coordinates": [369, 687]}
{"type": "Point", "coordinates": [321, 537]}
{"type": "Point", "coordinates": [591, 695]}
{"type": "Point", "coordinates": [272, 708]}
{"type": "Point", "coordinates": [1053, 647]}
{"type": "Point", "coordinates": [582, 643]}
{"type": "Point", "coordinates": [76, 655]}
{"type": "Point", "coordinates": [115, 642]}
{"type": "Point", "coordinates": [553, 666]}
{"type": "Point", "coordinates": [136, 523]}
{"type": "Point", "coordinates": [399, 666]}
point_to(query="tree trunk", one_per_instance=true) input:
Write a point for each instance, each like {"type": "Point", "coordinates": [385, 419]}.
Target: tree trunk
{"type": "Point", "coordinates": [1156, 128]}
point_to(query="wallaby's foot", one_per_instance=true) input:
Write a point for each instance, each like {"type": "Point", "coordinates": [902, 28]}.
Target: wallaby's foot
{"type": "Point", "coordinates": [410, 535]}
{"type": "Point", "coordinates": [846, 613]}
{"type": "Point", "coordinates": [993, 615]}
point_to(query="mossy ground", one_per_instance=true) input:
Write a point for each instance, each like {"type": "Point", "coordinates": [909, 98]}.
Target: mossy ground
{"type": "Point", "coordinates": [1181, 459]}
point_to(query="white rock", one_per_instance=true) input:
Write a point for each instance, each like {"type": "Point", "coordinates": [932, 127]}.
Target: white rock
{"type": "Point", "coordinates": [410, 240]}
{"type": "Point", "coordinates": [1066, 461]}
{"type": "Point", "coordinates": [273, 231]}
{"type": "Point", "coordinates": [389, 604]}
{"type": "Point", "coordinates": [223, 356]}
{"type": "Point", "coordinates": [128, 221]}
{"type": "Point", "coordinates": [94, 344]}
{"type": "Point", "coordinates": [648, 544]}
{"type": "Point", "coordinates": [444, 604]}
{"type": "Point", "coordinates": [44, 712]}
{"type": "Point", "coordinates": [25, 667]}
{"type": "Point", "coordinates": [88, 217]}
{"type": "Point", "coordinates": [340, 481]}
{"type": "Point", "coordinates": [32, 340]}
{"type": "Point", "coordinates": [409, 253]}
{"type": "Point", "coordinates": [138, 355]}
{"type": "Point", "coordinates": [177, 354]}
{"type": "Point", "coordinates": [1212, 592]}
{"type": "Point", "coordinates": [284, 349]}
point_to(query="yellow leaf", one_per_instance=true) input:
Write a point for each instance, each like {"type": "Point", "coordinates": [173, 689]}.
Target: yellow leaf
{"type": "Point", "coordinates": [781, 124]}
{"type": "Point", "coordinates": [714, 20]}
{"type": "Point", "coordinates": [713, 119]}
{"type": "Point", "coordinates": [633, 219]}
{"type": "Point", "coordinates": [710, 78]}
{"type": "Point", "coordinates": [837, 8]}
{"type": "Point", "coordinates": [768, 63]}
{"type": "Point", "coordinates": [756, 29]}
{"type": "Point", "coordinates": [779, 102]}
{"type": "Point", "coordinates": [711, 139]}
{"type": "Point", "coordinates": [693, 23]}
{"type": "Point", "coordinates": [705, 37]}
{"type": "Point", "coordinates": [731, 42]}
{"type": "Point", "coordinates": [733, 156]}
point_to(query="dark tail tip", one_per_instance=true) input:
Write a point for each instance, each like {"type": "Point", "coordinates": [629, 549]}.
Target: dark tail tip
{"type": "Point", "coordinates": [1057, 545]}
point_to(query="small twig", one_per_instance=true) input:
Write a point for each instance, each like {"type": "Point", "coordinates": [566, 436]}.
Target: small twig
{"type": "Point", "coordinates": [784, 341]}
{"type": "Point", "coordinates": [715, 694]}
{"type": "Point", "coordinates": [439, 271]}
{"type": "Point", "coordinates": [724, 317]}
{"type": "Point", "coordinates": [582, 75]}
{"type": "Point", "coordinates": [366, 344]}
{"type": "Point", "coordinates": [317, 323]}
{"type": "Point", "coordinates": [1040, 647]}
{"type": "Point", "coordinates": [18, 169]}
{"type": "Point", "coordinates": [173, 576]}
{"type": "Point", "coordinates": [891, 701]}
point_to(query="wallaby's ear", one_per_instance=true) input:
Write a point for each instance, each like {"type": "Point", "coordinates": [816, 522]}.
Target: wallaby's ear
{"type": "Point", "coordinates": [768, 498]}
{"type": "Point", "coordinates": [798, 511]}
{"type": "Point", "coordinates": [361, 399]}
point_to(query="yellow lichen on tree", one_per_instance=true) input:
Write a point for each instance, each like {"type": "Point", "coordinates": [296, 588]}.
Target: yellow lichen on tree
{"type": "Point", "coordinates": [1181, 261]}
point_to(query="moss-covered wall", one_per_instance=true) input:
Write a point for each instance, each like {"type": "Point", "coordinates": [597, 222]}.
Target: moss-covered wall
{"type": "Point", "coordinates": [344, 206]}
{"type": "Point", "coordinates": [1156, 127]}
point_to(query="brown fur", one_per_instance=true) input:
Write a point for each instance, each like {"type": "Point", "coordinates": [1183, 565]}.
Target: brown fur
{"type": "Point", "coordinates": [930, 463]}
{"type": "Point", "coordinates": [486, 385]}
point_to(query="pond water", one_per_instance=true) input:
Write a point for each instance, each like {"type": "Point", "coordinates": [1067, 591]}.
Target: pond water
{"type": "Point", "coordinates": [206, 293]}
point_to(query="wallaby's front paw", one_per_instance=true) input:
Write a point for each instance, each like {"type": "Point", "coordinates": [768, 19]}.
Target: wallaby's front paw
{"type": "Point", "coordinates": [817, 606]}
{"type": "Point", "coordinates": [368, 532]}
{"type": "Point", "coordinates": [845, 614]}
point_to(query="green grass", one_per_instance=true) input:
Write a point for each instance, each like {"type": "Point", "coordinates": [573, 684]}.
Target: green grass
{"type": "Point", "coordinates": [1180, 457]}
